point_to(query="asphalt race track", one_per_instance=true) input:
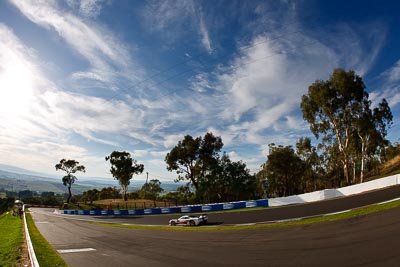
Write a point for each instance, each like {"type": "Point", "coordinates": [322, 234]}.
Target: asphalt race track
{"type": "Point", "coordinates": [366, 240]}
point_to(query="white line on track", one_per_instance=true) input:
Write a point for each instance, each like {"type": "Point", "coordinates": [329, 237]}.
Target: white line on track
{"type": "Point", "coordinates": [389, 201]}
{"type": "Point", "coordinates": [61, 251]}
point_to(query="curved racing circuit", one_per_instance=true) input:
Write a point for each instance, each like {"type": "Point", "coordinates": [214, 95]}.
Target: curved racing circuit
{"type": "Point", "coordinates": [366, 240]}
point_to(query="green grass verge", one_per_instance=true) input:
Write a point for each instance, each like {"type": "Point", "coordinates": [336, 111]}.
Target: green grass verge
{"type": "Point", "coordinates": [11, 240]}
{"type": "Point", "coordinates": [335, 217]}
{"type": "Point", "coordinates": [45, 253]}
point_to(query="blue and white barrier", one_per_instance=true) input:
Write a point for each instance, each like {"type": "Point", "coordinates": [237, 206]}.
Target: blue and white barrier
{"type": "Point", "coordinates": [183, 209]}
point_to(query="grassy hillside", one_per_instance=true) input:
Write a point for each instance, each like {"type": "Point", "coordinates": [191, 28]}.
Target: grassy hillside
{"type": "Point", "coordinates": [391, 167]}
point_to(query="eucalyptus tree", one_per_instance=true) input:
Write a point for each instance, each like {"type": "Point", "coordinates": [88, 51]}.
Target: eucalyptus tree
{"type": "Point", "coordinates": [371, 127]}
{"type": "Point", "coordinates": [283, 171]}
{"type": "Point", "coordinates": [314, 171]}
{"type": "Point", "coordinates": [109, 193]}
{"type": "Point", "coordinates": [185, 194]}
{"type": "Point", "coordinates": [70, 166]}
{"type": "Point", "coordinates": [339, 110]}
{"type": "Point", "coordinates": [91, 195]}
{"type": "Point", "coordinates": [329, 108]}
{"type": "Point", "coordinates": [123, 167]}
{"type": "Point", "coordinates": [152, 190]}
{"type": "Point", "coordinates": [194, 158]}
{"type": "Point", "coordinates": [231, 181]}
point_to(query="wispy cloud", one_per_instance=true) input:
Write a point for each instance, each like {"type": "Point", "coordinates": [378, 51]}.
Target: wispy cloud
{"type": "Point", "coordinates": [107, 56]}
{"type": "Point", "coordinates": [88, 8]}
{"type": "Point", "coordinates": [206, 41]}
{"type": "Point", "coordinates": [179, 18]}
{"type": "Point", "coordinates": [361, 43]}
{"type": "Point", "coordinates": [393, 73]}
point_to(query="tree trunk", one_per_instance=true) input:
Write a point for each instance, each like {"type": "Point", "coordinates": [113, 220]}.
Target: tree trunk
{"type": "Point", "coordinates": [364, 143]}
{"type": "Point", "coordinates": [69, 194]}
{"type": "Point", "coordinates": [346, 170]}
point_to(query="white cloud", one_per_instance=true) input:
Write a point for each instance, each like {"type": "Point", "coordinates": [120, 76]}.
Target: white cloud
{"type": "Point", "coordinates": [267, 83]}
{"type": "Point", "coordinates": [178, 17]}
{"type": "Point", "coordinates": [390, 92]}
{"type": "Point", "coordinates": [107, 56]}
{"type": "Point", "coordinates": [88, 8]}
{"type": "Point", "coordinates": [393, 73]}
{"type": "Point", "coordinates": [358, 44]}
{"type": "Point", "coordinates": [86, 114]}
{"type": "Point", "coordinates": [206, 41]}
{"type": "Point", "coordinates": [172, 140]}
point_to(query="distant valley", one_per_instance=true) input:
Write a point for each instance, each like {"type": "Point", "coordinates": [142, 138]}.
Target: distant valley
{"type": "Point", "coordinates": [16, 179]}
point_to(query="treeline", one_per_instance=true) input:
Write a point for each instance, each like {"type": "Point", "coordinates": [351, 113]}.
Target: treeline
{"type": "Point", "coordinates": [151, 190]}
{"type": "Point", "coordinates": [6, 204]}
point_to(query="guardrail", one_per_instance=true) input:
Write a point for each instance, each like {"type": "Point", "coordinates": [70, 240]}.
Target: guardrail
{"type": "Point", "coordinates": [31, 251]}
{"type": "Point", "coordinates": [272, 202]}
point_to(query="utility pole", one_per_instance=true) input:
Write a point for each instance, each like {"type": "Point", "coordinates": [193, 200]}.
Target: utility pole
{"type": "Point", "coordinates": [147, 180]}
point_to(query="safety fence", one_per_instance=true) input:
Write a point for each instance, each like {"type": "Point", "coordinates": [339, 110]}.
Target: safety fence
{"type": "Point", "coordinates": [272, 202]}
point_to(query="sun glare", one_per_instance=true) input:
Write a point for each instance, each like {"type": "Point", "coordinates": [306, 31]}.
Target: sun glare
{"type": "Point", "coordinates": [16, 82]}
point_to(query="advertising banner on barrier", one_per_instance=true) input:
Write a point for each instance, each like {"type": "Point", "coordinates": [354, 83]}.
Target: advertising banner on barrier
{"type": "Point", "coordinates": [148, 211]}
{"type": "Point", "coordinates": [186, 209]}
{"type": "Point", "coordinates": [251, 204]}
{"type": "Point", "coordinates": [206, 208]}
{"type": "Point", "coordinates": [228, 206]}
{"type": "Point", "coordinates": [165, 210]}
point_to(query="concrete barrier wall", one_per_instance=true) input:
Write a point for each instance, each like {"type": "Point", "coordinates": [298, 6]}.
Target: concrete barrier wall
{"type": "Point", "coordinates": [296, 199]}
{"type": "Point", "coordinates": [367, 186]}
{"type": "Point", "coordinates": [339, 192]}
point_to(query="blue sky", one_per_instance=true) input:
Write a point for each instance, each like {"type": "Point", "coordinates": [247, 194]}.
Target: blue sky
{"type": "Point", "coordinates": [79, 79]}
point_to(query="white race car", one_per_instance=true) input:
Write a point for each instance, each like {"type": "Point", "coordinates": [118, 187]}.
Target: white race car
{"type": "Point", "coordinates": [190, 220]}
